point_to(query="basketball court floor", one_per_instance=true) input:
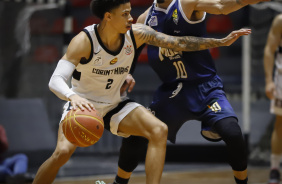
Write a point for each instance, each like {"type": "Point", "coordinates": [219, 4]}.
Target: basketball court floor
{"type": "Point", "coordinates": [257, 175]}
{"type": "Point", "coordinates": [174, 173]}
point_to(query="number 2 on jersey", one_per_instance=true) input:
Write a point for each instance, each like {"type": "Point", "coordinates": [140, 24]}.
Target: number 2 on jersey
{"type": "Point", "coordinates": [180, 68]}
{"type": "Point", "coordinates": [110, 81]}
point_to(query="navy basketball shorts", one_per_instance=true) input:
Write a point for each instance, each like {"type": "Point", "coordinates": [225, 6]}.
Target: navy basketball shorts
{"type": "Point", "coordinates": [177, 103]}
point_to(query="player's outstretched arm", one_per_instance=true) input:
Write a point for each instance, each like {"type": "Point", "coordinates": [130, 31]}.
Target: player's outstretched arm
{"type": "Point", "coordinates": [145, 34]}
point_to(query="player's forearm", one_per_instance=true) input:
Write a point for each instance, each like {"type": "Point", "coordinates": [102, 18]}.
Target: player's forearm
{"type": "Point", "coordinates": [60, 88]}
{"type": "Point", "coordinates": [145, 34]}
{"type": "Point", "coordinates": [229, 6]}
{"type": "Point", "coordinates": [219, 6]}
{"type": "Point", "coordinates": [185, 43]}
{"type": "Point", "coordinates": [268, 65]}
{"type": "Point", "coordinates": [58, 82]}
{"type": "Point", "coordinates": [188, 43]}
{"type": "Point", "coordinates": [191, 43]}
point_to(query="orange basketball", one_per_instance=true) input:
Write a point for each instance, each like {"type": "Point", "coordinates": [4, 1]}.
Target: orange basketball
{"type": "Point", "coordinates": [83, 128]}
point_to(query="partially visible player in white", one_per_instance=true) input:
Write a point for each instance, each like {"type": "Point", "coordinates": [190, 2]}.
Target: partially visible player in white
{"type": "Point", "coordinates": [273, 90]}
{"type": "Point", "coordinates": [99, 60]}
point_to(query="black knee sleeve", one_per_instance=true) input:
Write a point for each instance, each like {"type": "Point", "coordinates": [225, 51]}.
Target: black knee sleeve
{"type": "Point", "coordinates": [131, 151]}
{"type": "Point", "coordinates": [230, 131]}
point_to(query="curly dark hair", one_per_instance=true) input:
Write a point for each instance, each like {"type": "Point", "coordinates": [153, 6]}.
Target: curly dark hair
{"type": "Point", "coordinates": [100, 7]}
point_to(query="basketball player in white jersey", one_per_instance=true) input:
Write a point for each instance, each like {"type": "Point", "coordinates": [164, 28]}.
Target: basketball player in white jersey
{"type": "Point", "coordinates": [273, 90]}
{"type": "Point", "coordinates": [99, 60]}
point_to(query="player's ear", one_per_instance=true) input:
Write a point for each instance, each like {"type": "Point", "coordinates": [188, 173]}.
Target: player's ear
{"type": "Point", "coordinates": [108, 16]}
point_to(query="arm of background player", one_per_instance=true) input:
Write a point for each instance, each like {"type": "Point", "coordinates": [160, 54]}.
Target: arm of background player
{"type": "Point", "coordinates": [141, 19]}
{"type": "Point", "coordinates": [216, 6]}
{"type": "Point", "coordinates": [273, 40]}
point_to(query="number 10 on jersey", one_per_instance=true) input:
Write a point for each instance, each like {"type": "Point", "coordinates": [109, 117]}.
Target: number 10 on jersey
{"type": "Point", "coordinates": [180, 68]}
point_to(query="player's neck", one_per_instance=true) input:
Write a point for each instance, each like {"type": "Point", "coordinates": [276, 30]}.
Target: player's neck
{"type": "Point", "coordinates": [110, 37]}
{"type": "Point", "coordinates": [164, 5]}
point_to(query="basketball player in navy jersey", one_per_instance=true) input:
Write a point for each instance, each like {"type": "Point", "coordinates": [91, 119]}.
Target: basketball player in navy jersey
{"type": "Point", "coordinates": [99, 59]}
{"type": "Point", "coordinates": [191, 88]}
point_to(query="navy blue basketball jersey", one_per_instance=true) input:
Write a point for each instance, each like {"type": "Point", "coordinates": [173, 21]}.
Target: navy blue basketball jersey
{"type": "Point", "coordinates": [178, 66]}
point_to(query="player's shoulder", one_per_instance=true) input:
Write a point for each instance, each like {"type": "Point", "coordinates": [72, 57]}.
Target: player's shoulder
{"type": "Point", "coordinates": [188, 2]}
{"type": "Point", "coordinates": [80, 45]}
{"type": "Point", "coordinates": [278, 18]}
{"type": "Point", "coordinates": [81, 40]}
{"type": "Point", "coordinates": [277, 22]}
{"type": "Point", "coordinates": [81, 37]}
{"type": "Point", "coordinates": [142, 18]}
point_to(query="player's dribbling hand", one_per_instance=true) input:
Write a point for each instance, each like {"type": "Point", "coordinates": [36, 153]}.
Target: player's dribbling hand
{"type": "Point", "coordinates": [129, 84]}
{"type": "Point", "coordinates": [234, 35]}
{"type": "Point", "coordinates": [81, 103]}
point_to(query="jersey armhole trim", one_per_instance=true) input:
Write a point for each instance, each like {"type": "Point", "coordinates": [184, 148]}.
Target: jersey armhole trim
{"type": "Point", "coordinates": [76, 75]}
{"type": "Point", "coordinates": [92, 48]}
{"type": "Point", "coordinates": [148, 14]}
{"type": "Point", "coordinates": [165, 10]}
{"type": "Point", "coordinates": [133, 39]}
{"type": "Point", "coordinates": [136, 55]}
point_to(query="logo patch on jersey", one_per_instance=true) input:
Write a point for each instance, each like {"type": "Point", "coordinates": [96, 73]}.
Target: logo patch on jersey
{"type": "Point", "coordinates": [215, 107]}
{"type": "Point", "coordinates": [114, 61]}
{"type": "Point", "coordinates": [128, 49]}
{"type": "Point", "coordinates": [175, 92]}
{"type": "Point", "coordinates": [153, 21]}
{"type": "Point", "coordinates": [175, 16]}
{"type": "Point", "coordinates": [98, 61]}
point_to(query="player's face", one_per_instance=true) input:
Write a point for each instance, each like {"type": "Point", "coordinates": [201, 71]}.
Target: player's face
{"type": "Point", "coordinates": [121, 18]}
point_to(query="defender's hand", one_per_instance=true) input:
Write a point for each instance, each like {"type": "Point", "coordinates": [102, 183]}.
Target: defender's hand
{"type": "Point", "coordinates": [234, 35]}
{"type": "Point", "coordinates": [129, 84]}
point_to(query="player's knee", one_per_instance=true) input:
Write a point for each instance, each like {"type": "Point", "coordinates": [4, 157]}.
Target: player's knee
{"type": "Point", "coordinates": [231, 134]}
{"type": "Point", "coordinates": [159, 133]}
{"type": "Point", "coordinates": [132, 149]}
{"type": "Point", "coordinates": [235, 134]}
{"type": "Point", "coordinates": [61, 155]}
{"type": "Point", "coordinates": [229, 130]}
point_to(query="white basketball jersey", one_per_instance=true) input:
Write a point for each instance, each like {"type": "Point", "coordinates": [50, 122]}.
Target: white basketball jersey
{"type": "Point", "coordinates": [278, 60]}
{"type": "Point", "coordinates": [100, 78]}
{"type": "Point", "coordinates": [278, 73]}
{"type": "Point", "coordinates": [276, 103]}
{"type": "Point", "coordinates": [278, 65]}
